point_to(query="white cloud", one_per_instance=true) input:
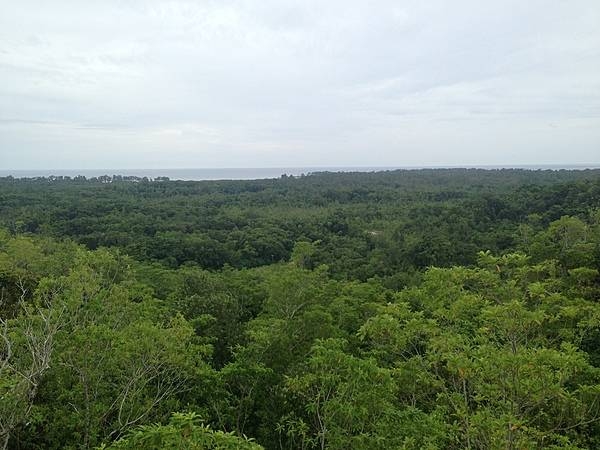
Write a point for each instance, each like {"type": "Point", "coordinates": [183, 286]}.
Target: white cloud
{"type": "Point", "coordinates": [249, 83]}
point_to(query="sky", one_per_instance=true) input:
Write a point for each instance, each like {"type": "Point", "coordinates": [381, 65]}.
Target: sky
{"type": "Point", "coordinates": [273, 83]}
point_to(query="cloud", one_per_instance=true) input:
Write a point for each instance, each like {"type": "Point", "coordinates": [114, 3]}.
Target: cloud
{"type": "Point", "coordinates": [235, 83]}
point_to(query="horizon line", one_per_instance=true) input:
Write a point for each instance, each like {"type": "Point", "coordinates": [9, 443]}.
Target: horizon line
{"type": "Point", "coordinates": [384, 167]}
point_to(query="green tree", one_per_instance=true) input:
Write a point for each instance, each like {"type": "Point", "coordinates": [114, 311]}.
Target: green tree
{"type": "Point", "coordinates": [184, 431]}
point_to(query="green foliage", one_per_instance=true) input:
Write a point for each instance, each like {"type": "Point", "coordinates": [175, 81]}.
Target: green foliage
{"type": "Point", "coordinates": [413, 310]}
{"type": "Point", "coordinates": [347, 401]}
{"type": "Point", "coordinates": [182, 432]}
{"type": "Point", "coordinates": [361, 224]}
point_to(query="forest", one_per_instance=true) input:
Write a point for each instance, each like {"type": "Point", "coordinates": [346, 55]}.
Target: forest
{"type": "Point", "coordinates": [409, 309]}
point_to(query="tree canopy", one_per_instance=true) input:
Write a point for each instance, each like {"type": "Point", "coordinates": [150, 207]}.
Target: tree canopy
{"type": "Point", "coordinates": [431, 309]}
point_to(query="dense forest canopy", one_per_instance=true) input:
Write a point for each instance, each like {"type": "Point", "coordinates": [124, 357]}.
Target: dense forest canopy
{"type": "Point", "coordinates": [363, 224]}
{"type": "Point", "coordinates": [438, 309]}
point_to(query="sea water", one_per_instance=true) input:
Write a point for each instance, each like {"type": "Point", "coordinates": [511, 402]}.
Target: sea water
{"type": "Point", "coordinates": [250, 173]}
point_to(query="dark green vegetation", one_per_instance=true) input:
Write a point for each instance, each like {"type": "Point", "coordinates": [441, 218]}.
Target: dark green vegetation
{"type": "Point", "coordinates": [442, 309]}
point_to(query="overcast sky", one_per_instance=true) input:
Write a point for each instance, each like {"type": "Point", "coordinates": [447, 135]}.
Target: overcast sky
{"type": "Point", "coordinates": [159, 84]}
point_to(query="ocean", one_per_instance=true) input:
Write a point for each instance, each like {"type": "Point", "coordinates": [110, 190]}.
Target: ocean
{"type": "Point", "coordinates": [198, 174]}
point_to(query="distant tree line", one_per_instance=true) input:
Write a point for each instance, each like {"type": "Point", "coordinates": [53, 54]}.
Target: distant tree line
{"type": "Point", "coordinates": [82, 178]}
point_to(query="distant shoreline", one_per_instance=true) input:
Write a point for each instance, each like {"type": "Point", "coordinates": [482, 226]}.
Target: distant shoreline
{"type": "Point", "coordinates": [206, 174]}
